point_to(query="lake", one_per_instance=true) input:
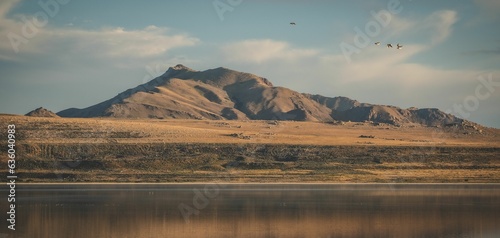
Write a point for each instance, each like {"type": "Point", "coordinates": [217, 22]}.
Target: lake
{"type": "Point", "coordinates": [255, 210]}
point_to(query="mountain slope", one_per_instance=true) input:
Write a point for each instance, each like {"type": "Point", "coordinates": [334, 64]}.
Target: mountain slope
{"type": "Point", "coordinates": [41, 112]}
{"type": "Point", "coordinates": [222, 93]}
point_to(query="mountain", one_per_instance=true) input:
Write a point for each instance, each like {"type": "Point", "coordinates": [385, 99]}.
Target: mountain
{"type": "Point", "coordinates": [223, 93]}
{"type": "Point", "coordinates": [41, 112]}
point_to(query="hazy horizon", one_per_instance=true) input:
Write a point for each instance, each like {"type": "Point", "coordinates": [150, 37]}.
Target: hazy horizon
{"type": "Point", "coordinates": [79, 53]}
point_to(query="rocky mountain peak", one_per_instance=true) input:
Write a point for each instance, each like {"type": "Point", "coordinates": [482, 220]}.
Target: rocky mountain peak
{"type": "Point", "coordinates": [181, 67]}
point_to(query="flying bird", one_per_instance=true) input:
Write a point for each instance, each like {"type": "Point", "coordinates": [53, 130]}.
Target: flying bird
{"type": "Point", "coordinates": [377, 43]}
{"type": "Point", "coordinates": [389, 45]}
{"type": "Point", "coordinates": [292, 23]}
{"type": "Point", "coordinates": [399, 46]}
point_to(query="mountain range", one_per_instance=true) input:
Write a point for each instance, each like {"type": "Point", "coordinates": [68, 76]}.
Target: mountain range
{"type": "Point", "coordinates": [225, 94]}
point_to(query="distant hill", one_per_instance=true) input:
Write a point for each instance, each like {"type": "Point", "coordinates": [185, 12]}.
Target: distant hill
{"type": "Point", "coordinates": [225, 94]}
{"type": "Point", "coordinates": [41, 112]}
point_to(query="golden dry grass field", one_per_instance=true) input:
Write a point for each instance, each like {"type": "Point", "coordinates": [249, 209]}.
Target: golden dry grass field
{"type": "Point", "coordinates": [119, 150]}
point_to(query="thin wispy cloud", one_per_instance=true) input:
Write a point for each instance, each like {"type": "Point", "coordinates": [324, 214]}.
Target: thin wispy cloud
{"type": "Point", "coordinates": [263, 50]}
{"type": "Point", "coordinates": [436, 27]}
{"type": "Point", "coordinates": [108, 42]}
{"type": "Point", "coordinates": [441, 24]}
{"type": "Point", "coordinates": [119, 42]}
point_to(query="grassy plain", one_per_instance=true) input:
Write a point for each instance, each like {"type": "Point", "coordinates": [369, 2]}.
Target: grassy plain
{"type": "Point", "coordinates": [139, 150]}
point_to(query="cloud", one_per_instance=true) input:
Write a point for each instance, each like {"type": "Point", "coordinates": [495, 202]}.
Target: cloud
{"type": "Point", "coordinates": [151, 41]}
{"type": "Point", "coordinates": [441, 22]}
{"type": "Point", "coordinates": [263, 50]}
{"type": "Point", "coordinates": [106, 43]}
{"type": "Point", "coordinates": [436, 27]}
{"type": "Point", "coordinates": [118, 42]}
{"type": "Point", "coordinates": [377, 62]}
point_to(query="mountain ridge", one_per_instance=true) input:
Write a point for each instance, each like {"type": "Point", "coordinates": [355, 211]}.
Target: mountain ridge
{"type": "Point", "coordinates": [225, 94]}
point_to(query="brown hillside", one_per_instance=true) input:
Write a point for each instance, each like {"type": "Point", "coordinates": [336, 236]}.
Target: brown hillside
{"type": "Point", "coordinates": [225, 94]}
{"type": "Point", "coordinates": [41, 112]}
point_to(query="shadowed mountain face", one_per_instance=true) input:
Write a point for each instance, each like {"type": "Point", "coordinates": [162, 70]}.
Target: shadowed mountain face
{"type": "Point", "coordinates": [227, 94]}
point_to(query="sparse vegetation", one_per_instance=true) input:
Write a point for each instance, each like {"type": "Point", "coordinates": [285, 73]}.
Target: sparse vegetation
{"type": "Point", "coordinates": [112, 150]}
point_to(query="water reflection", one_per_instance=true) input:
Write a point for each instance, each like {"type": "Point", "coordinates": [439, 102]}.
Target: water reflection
{"type": "Point", "coordinates": [258, 211]}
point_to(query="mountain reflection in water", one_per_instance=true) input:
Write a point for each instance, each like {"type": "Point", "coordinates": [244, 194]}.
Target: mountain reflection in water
{"type": "Point", "coordinates": [257, 210]}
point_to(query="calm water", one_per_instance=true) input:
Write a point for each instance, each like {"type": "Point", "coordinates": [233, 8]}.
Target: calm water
{"type": "Point", "coordinates": [362, 210]}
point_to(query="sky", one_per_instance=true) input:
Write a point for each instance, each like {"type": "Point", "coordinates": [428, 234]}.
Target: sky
{"type": "Point", "coordinates": [74, 53]}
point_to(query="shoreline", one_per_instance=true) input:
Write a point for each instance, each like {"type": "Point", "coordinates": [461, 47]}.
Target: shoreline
{"type": "Point", "coordinates": [252, 183]}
